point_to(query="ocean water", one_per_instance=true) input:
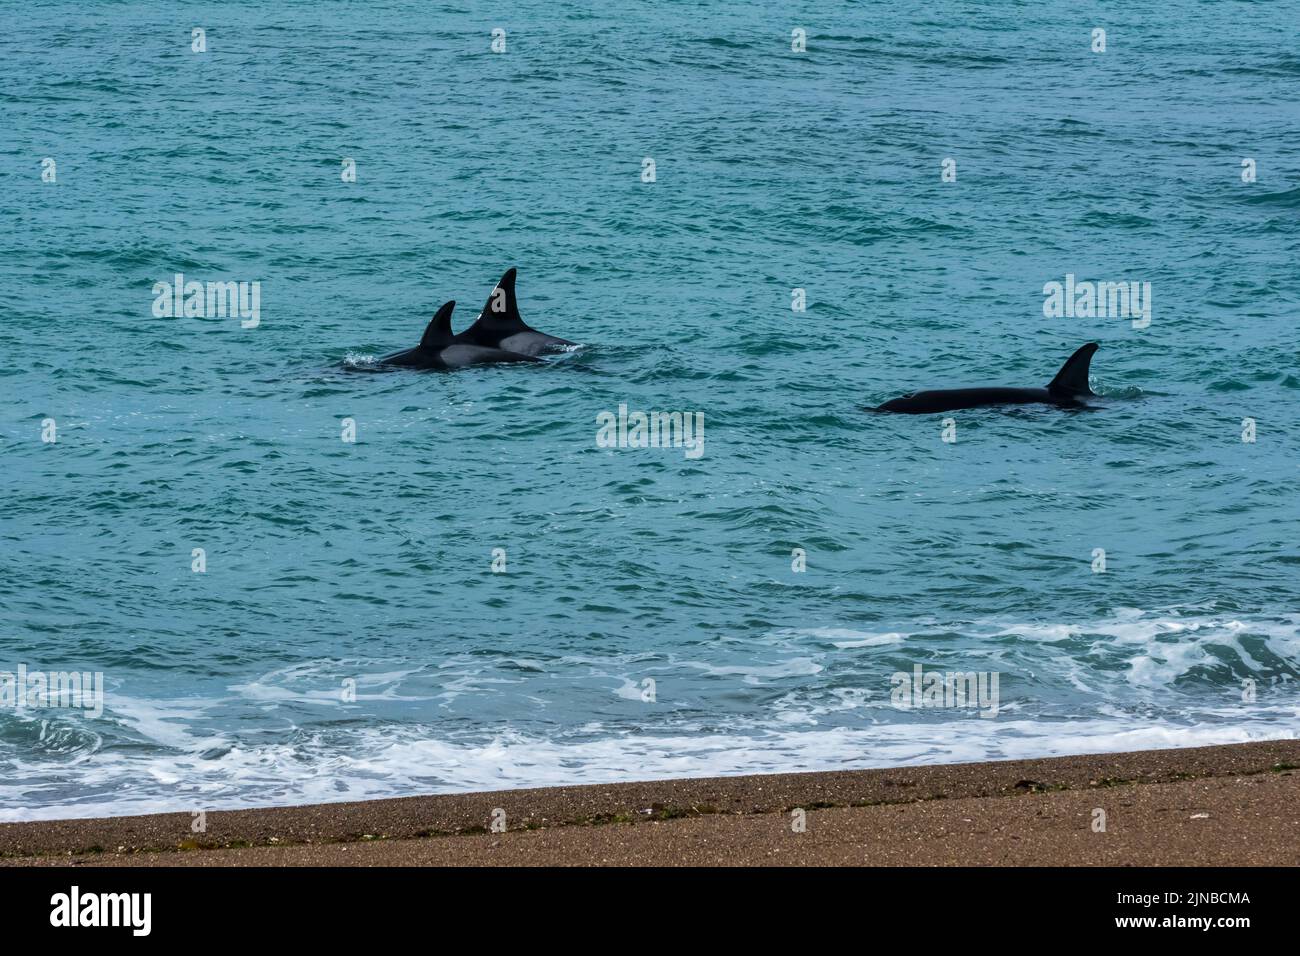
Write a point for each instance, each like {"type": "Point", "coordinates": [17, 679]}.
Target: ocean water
{"type": "Point", "coordinates": [349, 637]}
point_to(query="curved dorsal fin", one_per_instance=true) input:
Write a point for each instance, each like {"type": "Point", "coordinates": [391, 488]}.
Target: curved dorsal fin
{"type": "Point", "coordinates": [438, 331]}
{"type": "Point", "coordinates": [1072, 379]}
{"type": "Point", "coordinates": [501, 311]}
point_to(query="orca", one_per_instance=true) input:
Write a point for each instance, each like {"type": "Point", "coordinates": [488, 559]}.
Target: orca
{"type": "Point", "coordinates": [499, 325]}
{"type": "Point", "coordinates": [1067, 390]}
{"type": "Point", "coordinates": [439, 349]}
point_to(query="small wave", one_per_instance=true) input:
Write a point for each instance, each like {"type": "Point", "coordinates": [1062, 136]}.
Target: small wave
{"type": "Point", "coordinates": [722, 42]}
{"type": "Point", "coordinates": [1289, 199]}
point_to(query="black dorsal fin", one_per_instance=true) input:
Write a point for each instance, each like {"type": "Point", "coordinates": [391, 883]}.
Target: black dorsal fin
{"type": "Point", "coordinates": [501, 311]}
{"type": "Point", "coordinates": [438, 331]}
{"type": "Point", "coordinates": [1072, 379]}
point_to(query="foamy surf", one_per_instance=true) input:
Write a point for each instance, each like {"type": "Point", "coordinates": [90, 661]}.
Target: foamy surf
{"type": "Point", "coordinates": [796, 699]}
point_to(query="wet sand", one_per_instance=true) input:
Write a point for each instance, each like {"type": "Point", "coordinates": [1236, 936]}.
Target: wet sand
{"type": "Point", "coordinates": [1231, 805]}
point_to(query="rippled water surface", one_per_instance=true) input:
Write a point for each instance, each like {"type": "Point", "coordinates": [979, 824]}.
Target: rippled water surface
{"type": "Point", "coordinates": [370, 562]}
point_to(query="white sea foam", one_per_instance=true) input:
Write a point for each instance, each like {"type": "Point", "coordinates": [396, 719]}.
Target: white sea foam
{"type": "Point", "coordinates": [383, 763]}
{"type": "Point", "coordinates": [328, 684]}
{"type": "Point", "coordinates": [819, 699]}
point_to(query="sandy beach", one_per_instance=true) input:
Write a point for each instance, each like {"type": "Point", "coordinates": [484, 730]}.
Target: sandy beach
{"type": "Point", "coordinates": [1229, 805]}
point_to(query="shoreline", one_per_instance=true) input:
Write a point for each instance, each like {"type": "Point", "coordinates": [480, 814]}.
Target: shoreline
{"type": "Point", "coordinates": [1234, 804]}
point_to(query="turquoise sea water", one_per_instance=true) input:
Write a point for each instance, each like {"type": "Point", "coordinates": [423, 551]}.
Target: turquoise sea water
{"type": "Point", "coordinates": [371, 562]}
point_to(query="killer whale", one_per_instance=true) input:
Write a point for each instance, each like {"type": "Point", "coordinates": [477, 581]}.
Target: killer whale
{"type": "Point", "coordinates": [499, 325]}
{"type": "Point", "coordinates": [440, 349]}
{"type": "Point", "coordinates": [1067, 390]}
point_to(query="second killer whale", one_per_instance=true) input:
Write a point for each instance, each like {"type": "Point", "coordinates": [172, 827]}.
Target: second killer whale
{"type": "Point", "coordinates": [500, 326]}
{"type": "Point", "coordinates": [1068, 390]}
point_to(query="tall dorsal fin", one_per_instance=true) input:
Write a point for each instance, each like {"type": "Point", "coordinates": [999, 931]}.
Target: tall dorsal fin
{"type": "Point", "coordinates": [1072, 379]}
{"type": "Point", "coordinates": [438, 331]}
{"type": "Point", "coordinates": [502, 308]}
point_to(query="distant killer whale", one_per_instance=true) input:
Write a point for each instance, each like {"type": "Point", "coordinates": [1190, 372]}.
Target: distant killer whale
{"type": "Point", "coordinates": [1068, 390]}
{"type": "Point", "coordinates": [439, 349]}
{"type": "Point", "coordinates": [499, 325]}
